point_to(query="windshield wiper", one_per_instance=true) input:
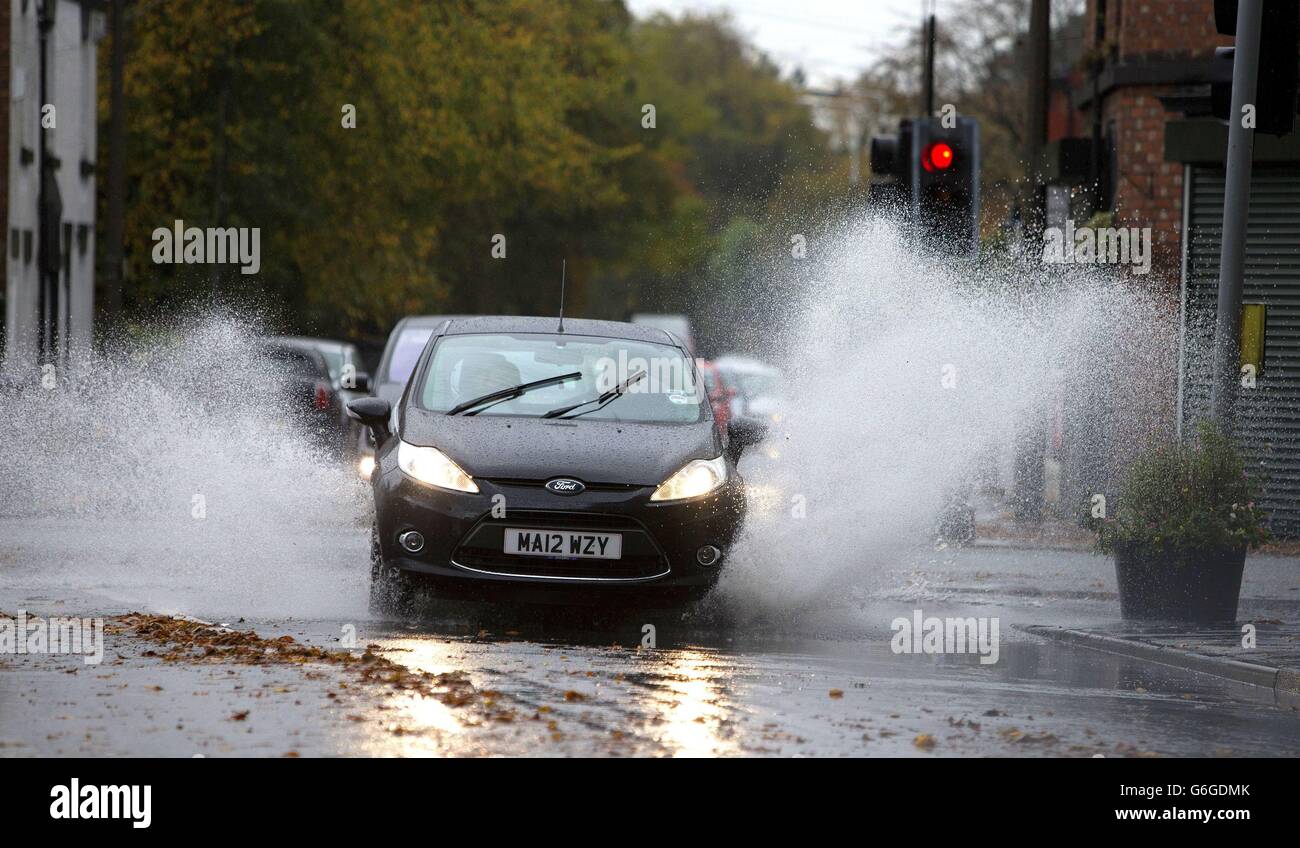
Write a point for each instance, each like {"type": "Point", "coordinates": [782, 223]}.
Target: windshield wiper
{"type": "Point", "coordinates": [510, 393]}
{"type": "Point", "coordinates": [601, 401]}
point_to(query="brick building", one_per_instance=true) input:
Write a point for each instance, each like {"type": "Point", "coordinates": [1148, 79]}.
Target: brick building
{"type": "Point", "coordinates": [1137, 54]}
{"type": "Point", "coordinates": [1153, 156]}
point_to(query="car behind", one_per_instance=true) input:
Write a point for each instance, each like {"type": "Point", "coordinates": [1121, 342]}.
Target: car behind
{"type": "Point", "coordinates": [308, 395]}
{"type": "Point", "coordinates": [347, 376]}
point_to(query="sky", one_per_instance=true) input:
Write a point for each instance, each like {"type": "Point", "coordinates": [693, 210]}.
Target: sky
{"type": "Point", "coordinates": [829, 39]}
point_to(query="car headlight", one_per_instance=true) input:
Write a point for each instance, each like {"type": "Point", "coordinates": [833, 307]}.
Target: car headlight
{"type": "Point", "coordinates": [432, 467]}
{"type": "Point", "coordinates": [695, 478]}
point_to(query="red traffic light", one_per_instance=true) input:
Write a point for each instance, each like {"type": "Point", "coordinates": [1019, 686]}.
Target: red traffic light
{"type": "Point", "coordinates": [937, 157]}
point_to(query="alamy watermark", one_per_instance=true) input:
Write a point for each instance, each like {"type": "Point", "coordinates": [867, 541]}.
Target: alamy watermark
{"type": "Point", "coordinates": [1098, 246]}
{"type": "Point", "coordinates": [179, 244]}
{"type": "Point", "coordinates": [670, 375]}
{"type": "Point", "coordinates": [54, 635]}
{"type": "Point", "coordinates": [921, 635]}
{"type": "Point", "coordinates": [74, 800]}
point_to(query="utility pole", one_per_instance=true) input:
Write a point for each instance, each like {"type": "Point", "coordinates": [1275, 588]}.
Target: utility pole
{"type": "Point", "coordinates": [115, 226]}
{"type": "Point", "coordinates": [1031, 441]}
{"type": "Point", "coordinates": [848, 122]}
{"type": "Point", "coordinates": [927, 85]}
{"type": "Point", "coordinates": [1236, 203]}
{"type": "Point", "coordinates": [1040, 46]}
{"type": "Point", "coordinates": [855, 151]}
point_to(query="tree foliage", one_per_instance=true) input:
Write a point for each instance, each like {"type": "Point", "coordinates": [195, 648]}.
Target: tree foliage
{"type": "Point", "coordinates": [518, 118]}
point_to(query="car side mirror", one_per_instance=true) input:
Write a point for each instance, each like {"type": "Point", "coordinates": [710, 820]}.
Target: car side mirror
{"type": "Point", "coordinates": [374, 413]}
{"type": "Point", "coordinates": [741, 434]}
{"type": "Point", "coordinates": [361, 382]}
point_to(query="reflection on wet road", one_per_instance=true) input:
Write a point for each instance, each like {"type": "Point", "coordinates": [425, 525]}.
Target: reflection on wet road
{"type": "Point", "coordinates": [583, 696]}
{"type": "Point", "coordinates": [816, 680]}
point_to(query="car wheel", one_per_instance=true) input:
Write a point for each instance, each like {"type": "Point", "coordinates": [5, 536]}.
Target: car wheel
{"type": "Point", "coordinates": [392, 591]}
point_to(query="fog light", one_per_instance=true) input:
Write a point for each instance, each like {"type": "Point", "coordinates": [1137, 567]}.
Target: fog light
{"type": "Point", "coordinates": [412, 541]}
{"type": "Point", "coordinates": [708, 555]}
{"type": "Point", "coordinates": [366, 466]}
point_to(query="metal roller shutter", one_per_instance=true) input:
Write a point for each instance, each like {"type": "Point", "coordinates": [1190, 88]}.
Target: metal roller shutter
{"type": "Point", "coordinates": [1269, 415]}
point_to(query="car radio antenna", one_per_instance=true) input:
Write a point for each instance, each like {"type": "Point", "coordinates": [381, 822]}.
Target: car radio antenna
{"type": "Point", "coordinates": [563, 269]}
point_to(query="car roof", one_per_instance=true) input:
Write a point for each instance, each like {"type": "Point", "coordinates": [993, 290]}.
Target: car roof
{"type": "Point", "coordinates": [309, 341]}
{"type": "Point", "coordinates": [549, 324]}
{"type": "Point", "coordinates": [284, 347]}
{"type": "Point", "coordinates": [744, 364]}
{"type": "Point", "coordinates": [426, 320]}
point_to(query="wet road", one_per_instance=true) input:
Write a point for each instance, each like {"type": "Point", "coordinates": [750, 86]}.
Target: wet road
{"type": "Point", "coordinates": [824, 697]}
{"type": "Point", "coordinates": [820, 679]}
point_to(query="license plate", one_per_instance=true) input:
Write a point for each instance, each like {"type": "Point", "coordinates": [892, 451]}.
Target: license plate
{"type": "Point", "coordinates": [569, 544]}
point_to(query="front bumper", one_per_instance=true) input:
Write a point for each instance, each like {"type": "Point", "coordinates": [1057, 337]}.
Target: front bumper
{"type": "Point", "coordinates": [463, 537]}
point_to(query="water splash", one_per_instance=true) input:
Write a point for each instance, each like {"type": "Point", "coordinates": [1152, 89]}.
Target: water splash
{"type": "Point", "coordinates": [169, 473]}
{"type": "Point", "coordinates": [910, 378]}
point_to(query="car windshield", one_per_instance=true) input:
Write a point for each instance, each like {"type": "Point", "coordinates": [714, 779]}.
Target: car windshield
{"type": "Point", "coordinates": [334, 359]}
{"type": "Point", "coordinates": [298, 363]}
{"type": "Point", "coordinates": [406, 351]}
{"type": "Point", "coordinates": [470, 366]}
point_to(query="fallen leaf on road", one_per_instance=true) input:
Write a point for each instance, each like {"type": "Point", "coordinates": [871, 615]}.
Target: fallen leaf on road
{"type": "Point", "coordinates": [188, 640]}
{"type": "Point", "coordinates": [1015, 734]}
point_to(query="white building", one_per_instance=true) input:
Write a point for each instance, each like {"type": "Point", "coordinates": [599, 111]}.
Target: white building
{"type": "Point", "coordinates": [67, 111]}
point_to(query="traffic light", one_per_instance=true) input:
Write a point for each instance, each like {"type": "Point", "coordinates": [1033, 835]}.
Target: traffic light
{"type": "Point", "coordinates": [945, 182]}
{"type": "Point", "coordinates": [890, 169]}
{"type": "Point", "coordinates": [936, 178]}
{"type": "Point", "coordinates": [1279, 56]}
{"type": "Point", "coordinates": [937, 157]}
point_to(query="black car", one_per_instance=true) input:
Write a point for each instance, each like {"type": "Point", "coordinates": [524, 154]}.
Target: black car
{"type": "Point", "coordinates": [308, 395]}
{"type": "Point", "coordinates": [525, 461]}
{"type": "Point", "coordinates": [348, 381]}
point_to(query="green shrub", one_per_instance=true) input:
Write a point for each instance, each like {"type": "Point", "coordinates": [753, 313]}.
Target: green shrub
{"type": "Point", "coordinates": [1181, 497]}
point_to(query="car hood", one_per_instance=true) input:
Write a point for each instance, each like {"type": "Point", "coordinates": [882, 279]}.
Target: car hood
{"type": "Point", "coordinates": [536, 449]}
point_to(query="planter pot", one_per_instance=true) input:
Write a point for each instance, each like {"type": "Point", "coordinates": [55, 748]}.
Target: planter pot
{"type": "Point", "coordinates": [1197, 588]}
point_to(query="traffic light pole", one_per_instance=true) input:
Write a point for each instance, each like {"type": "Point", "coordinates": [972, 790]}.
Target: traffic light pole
{"type": "Point", "coordinates": [1034, 211]}
{"type": "Point", "coordinates": [927, 83]}
{"type": "Point", "coordinates": [1236, 203]}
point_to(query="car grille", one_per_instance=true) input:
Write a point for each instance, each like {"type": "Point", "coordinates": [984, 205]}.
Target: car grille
{"type": "Point", "coordinates": [590, 487]}
{"type": "Point", "coordinates": [481, 549]}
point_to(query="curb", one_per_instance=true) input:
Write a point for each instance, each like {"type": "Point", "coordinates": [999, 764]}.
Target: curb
{"type": "Point", "coordinates": [1281, 680]}
{"type": "Point", "coordinates": [1026, 545]}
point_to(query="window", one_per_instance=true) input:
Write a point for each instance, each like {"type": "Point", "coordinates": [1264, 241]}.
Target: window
{"type": "Point", "coordinates": [465, 367]}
